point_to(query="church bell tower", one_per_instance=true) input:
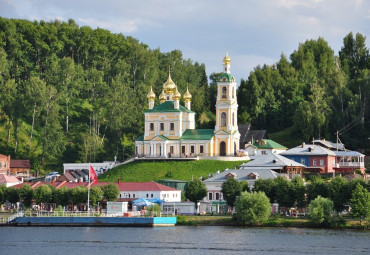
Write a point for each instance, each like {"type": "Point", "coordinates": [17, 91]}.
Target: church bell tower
{"type": "Point", "coordinates": [226, 130]}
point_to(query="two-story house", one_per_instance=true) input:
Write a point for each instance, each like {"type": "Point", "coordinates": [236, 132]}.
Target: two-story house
{"type": "Point", "coordinates": [317, 159]}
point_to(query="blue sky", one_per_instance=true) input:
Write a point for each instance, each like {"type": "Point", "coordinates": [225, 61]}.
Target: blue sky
{"type": "Point", "coordinates": [253, 32]}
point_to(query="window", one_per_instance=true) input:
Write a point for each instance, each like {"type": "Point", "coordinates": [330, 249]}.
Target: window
{"type": "Point", "coordinates": [314, 162]}
{"type": "Point", "coordinates": [263, 152]}
{"type": "Point", "coordinates": [302, 161]}
{"type": "Point", "coordinates": [233, 119]}
{"type": "Point", "coordinates": [224, 90]}
{"type": "Point", "coordinates": [217, 196]}
{"type": "Point", "coordinates": [321, 162]}
{"type": "Point", "coordinates": [151, 126]}
{"type": "Point", "coordinates": [171, 149]}
{"type": "Point", "coordinates": [161, 126]}
{"type": "Point", "coordinates": [147, 195]}
{"type": "Point", "coordinates": [201, 149]}
{"type": "Point", "coordinates": [133, 195]}
{"type": "Point", "coordinates": [233, 93]}
{"type": "Point", "coordinates": [223, 119]}
{"type": "Point", "coordinates": [172, 126]}
{"type": "Point", "coordinates": [182, 149]}
{"type": "Point", "coordinates": [333, 162]}
{"type": "Point", "coordinates": [209, 196]}
{"type": "Point", "coordinates": [192, 149]}
{"type": "Point", "coordinates": [151, 195]}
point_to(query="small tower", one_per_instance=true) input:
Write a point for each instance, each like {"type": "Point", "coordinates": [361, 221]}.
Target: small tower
{"type": "Point", "coordinates": [162, 97]}
{"type": "Point", "coordinates": [176, 99]}
{"type": "Point", "coordinates": [187, 98]}
{"type": "Point", "coordinates": [226, 130]}
{"type": "Point", "coordinates": [151, 98]}
{"type": "Point", "coordinates": [227, 61]}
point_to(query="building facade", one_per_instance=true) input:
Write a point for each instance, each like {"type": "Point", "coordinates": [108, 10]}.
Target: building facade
{"type": "Point", "coordinates": [170, 127]}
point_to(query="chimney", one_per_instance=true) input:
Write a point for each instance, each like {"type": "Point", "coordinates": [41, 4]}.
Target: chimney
{"type": "Point", "coordinates": [119, 180]}
{"type": "Point", "coordinates": [303, 145]}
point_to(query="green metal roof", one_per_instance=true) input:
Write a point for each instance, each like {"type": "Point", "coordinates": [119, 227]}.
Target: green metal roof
{"type": "Point", "coordinates": [197, 134]}
{"type": "Point", "coordinates": [140, 138]}
{"type": "Point", "coordinates": [168, 106]}
{"type": "Point", "coordinates": [228, 76]}
{"type": "Point", "coordinates": [161, 136]}
{"type": "Point", "coordinates": [269, 144]}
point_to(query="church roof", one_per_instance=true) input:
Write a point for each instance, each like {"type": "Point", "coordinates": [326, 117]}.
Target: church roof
{"type": "Point", "coordinates": [226, 77]}
{"type": "Point", "coordinates": [168, 107]}
{"type": "Point", "coordinates": [197, 134]}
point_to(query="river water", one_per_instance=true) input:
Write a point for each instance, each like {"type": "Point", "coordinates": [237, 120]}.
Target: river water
{"type": "Point", "coordinates": [181, 240]}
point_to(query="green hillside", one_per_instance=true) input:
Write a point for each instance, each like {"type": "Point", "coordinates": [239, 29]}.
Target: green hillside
{"type": "Point", "coordinates": [288, 137]}
{"type": "Point", "coordinates": [179, 170]}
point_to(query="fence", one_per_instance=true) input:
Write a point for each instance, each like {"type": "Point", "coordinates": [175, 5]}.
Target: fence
{"type": "Point", "coordinates": [102, 213]}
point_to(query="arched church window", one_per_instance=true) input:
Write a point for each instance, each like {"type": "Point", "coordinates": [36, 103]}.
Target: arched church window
{"type": "Point", "coordinates": [233, 119]}
{"type": "Point", "coordinates": [233, 93]}
{"type": "Point", "coordinates": [224, 90]}
{"type": "Point", "coordinates": [223, 119]}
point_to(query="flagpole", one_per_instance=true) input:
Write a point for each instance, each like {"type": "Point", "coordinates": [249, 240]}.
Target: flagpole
{"type": "Point", "coordinates": [88, 196]}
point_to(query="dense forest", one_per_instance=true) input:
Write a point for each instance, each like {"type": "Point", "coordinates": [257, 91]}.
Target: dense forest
{"type": "Point", "coordinates": [72, 94]}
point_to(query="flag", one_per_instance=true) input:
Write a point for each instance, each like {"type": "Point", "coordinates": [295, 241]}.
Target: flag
{"type": "Point", "coordinates": [93, 176]}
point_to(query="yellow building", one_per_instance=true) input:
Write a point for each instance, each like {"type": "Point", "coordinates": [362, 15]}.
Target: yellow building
{"type": "Point", "coordinates": [170, 127]}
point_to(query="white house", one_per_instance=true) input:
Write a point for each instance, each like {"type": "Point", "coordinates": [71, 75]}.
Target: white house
{"type": "Point", "coordinates": [148, 190]}
{"type": "Point", "coordinates": [264, 147]}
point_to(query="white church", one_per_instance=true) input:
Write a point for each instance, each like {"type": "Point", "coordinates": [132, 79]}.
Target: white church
{"type": "Point", "coordinates": [170, 127]}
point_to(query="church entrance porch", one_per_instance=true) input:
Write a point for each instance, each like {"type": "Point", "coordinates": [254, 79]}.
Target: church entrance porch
{"type": "Point", "coordinates": [222, 148]}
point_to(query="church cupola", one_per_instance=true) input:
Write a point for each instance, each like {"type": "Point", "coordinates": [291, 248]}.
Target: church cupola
{"type": "Point", "coordinates": [187, 98]}
{"type": "Point", "coordinates": [169, 87]}
{"type": "Point", "coordinates": [176, 99]}
{"type": "Point", "coordinates": [227, 61]}
{"type": "Point", "coordinates": [162, 97]}
{"type": "Point", "coordinates": [151, 98]}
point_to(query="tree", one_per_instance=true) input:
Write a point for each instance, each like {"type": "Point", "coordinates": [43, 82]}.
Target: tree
{"type": "Point", "coordinates": [195, 191]}
{"type": "Point", "coordinates": [43, 194]}
{"type": "Point", "coordinates": [245, 186]}
{"type": "Point", "coordinates": [230, 189]}
{"type": "Point", "coordinates": [320, 210]}
{"type": "Point", "coordinates": [26, 194]}
{"type": "Point", "coordinates": [79, 195]}
{"type": "Point", "coordinates": [298, 191]}
{"type": "Point", "coordinates": [252, 208]}
{"type": "Point", "coordinates": [110, 191]}
{"type": "Point", "coordinates": [354, 55]}
{"type": "Point", "coordinates": [318, 187]}
{"type": "Point", "coordinates": [2, 193]}
{"type": "Point", "coordinates": [62, 196]}
{"type": "Point", "coordinates": [12, 195]}
{"type": "Point", "coordinates": [96, 194]}
{"type": "Point", "coordinates": [283, 192]}
{"type": "Point", "coordinates": [360, 203]}
{"type": "Point", "coordinates": [338, 192]}
{"type": "Point", "coordinates": [266, 186]}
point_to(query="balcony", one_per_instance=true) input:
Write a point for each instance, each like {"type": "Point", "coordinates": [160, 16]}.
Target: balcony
{"type": "Point", "coordinates": [351, 164]}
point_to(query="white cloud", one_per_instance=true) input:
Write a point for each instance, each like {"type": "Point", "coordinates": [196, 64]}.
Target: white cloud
{"type": "Point", "coordinates": [114, 26]}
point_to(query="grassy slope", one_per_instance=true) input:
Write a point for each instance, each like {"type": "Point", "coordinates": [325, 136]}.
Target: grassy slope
{"type": "Point", "coordinates": [287, 137]}
{"type": "Point", "coordinates": [178, 170]}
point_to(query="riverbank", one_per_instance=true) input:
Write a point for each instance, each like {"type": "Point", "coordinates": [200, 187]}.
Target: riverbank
{"type": "Point", "coordinates": [273, 221]}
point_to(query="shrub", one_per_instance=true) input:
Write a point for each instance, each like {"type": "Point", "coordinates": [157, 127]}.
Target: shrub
{"type": "Point", "coordinates": [252, 208]}
{"type": "Point", "coordinates": [321, 211]}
